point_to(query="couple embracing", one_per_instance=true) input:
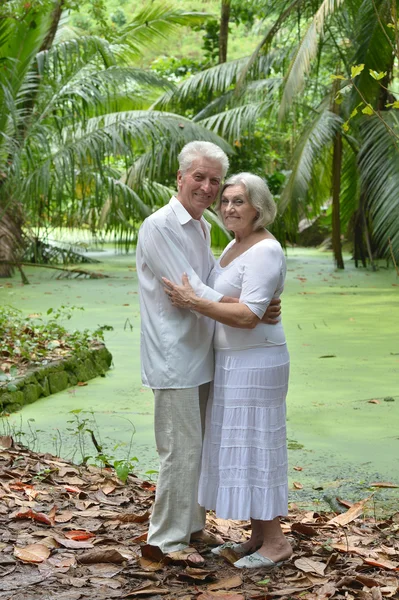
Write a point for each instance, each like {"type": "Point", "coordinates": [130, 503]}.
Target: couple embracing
{"type": "Point", "coordinates": [213, 351]}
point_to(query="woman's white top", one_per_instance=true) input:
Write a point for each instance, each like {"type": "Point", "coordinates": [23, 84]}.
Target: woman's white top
{"type": "Point", "coordinates": [255, 277]}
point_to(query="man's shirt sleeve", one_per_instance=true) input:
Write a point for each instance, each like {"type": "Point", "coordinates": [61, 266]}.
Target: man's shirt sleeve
{"type": "Point", "coordinates": [164, 254]}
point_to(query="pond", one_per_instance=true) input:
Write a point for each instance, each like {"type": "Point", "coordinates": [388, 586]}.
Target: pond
{"type": "Point", "coordinates": [343, 403]}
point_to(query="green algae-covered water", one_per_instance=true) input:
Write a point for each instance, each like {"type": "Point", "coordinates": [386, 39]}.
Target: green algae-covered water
{"type": "Point", "coordinates": [343, 403]}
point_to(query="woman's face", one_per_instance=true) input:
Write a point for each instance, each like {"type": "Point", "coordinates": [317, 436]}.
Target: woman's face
{"type": "Point", "coordinates": [237, 212]}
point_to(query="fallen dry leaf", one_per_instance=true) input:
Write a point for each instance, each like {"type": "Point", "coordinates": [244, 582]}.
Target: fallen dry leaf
{"type": "Point", "coordinates": [304, 529]}
{"type": "Point", "coordinates": [146, 590]}
{"type": "Point", "coordinates": [19, 485]}
{"type": "Point", "coordinates": [79, 535]}
{"type": "Point", "coordinates": [33, 553]}
{"type": "Point", "coordinates": [307, 565]}
{"type": "Point", "coordinates": [140, 538]}
{"type": "Point", "coordinates": [220, 595]}
{"type": "Point", "coordinates": [367, 581]}
{"type": "Point", "coordinates": [390, 590]}
{"type": "Point", "coordinates": [226, 584]}
{"type": "Point", "coordinates": [382, 563]}
{"type": "Point", "coordinates": [57, 564]}
{"type": "Point", "coordinates": [134, 518]}
{"type": "Point", "coordinates": [153, 553]}
{"type": "Point", "coordinates": [297, 485]}
{"type": "Point", "coordinates": [365, 556]}
{"type": "Point", "coordinates": [346, 548]}
{"type": "Point", "coordinates": [229, 555]}
{"type": "Point", "coordinates": [72, 544]}
{"type": "Point", "coordinates": [64, 516]}
{"type": "Point", "coordinates": [104, 569]}
{"type": "Point", "coordinates": [150, 565]}
{"type": "Point", "coordinates": [36, 516]}
{"type": "Point", "coordinates": [289, 591]}
{"type": "Point", "coordinates": [6, 441]}
{"type": "Point", "coordinates": [108, 555]}
{"type": "Point", "coordinates": [108, 488]}
{"type": "Point", "coordinates": [376, 593]}
{"type": "Point", "coordinates": [351, 514]}
{"type": "Point", "coordinates": [326, 591]}
{"type": "Point", "coordinates": [383, 484]}
{"type": "Point", "coordinates": [73, 489]}
{"type": "Point", "coordinates": [194, 574]}
{"type": "Point", "coordinates": [344, 502]}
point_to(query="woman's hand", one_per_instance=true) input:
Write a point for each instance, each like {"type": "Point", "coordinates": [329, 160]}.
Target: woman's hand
{"type": "Point", "coordinates": [182, 296]}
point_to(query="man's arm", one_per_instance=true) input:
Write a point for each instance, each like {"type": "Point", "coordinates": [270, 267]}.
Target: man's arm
{"type": "Point", "coordinates": [164, 255]}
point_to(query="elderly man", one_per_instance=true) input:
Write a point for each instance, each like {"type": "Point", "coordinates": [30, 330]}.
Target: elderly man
{"type": "Point", "coordinates": [176, 347]}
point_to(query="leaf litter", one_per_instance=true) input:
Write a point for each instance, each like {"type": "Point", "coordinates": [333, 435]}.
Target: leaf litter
{"type": "Point", "coordinates": [79, 534]}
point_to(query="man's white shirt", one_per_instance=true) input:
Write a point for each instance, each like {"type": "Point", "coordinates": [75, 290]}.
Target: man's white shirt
{"type": "Point", "coordinates": [176, 344]}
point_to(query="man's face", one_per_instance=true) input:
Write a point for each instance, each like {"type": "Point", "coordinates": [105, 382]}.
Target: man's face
{"type": "Point", "coordinates": [199, 186]}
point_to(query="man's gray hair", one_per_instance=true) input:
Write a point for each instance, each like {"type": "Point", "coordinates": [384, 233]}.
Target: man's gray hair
{"type": "Point", "coordinates": [199, 149]}
{"type": "Point", "coordinates": [258, 195]}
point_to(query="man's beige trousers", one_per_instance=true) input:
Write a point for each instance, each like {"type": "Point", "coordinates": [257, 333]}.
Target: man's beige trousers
{"type": "Point", "coordinates": [179, 426]}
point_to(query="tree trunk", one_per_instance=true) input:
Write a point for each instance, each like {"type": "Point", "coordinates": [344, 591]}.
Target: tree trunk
{"type": "Point", "coordinates": [359, 251]}
{"type": "Point", "coordinates": [336, 189]}
{"type": "Point", "coordinates": [55, 19]}
{"type": "Point", "coordinates": [11, 237]}
{"type": "Point", "coordinates": [224, 31]}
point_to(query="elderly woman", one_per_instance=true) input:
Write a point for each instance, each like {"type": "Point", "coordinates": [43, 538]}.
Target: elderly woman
{"type": "Point", "coordinates": [244, 462]}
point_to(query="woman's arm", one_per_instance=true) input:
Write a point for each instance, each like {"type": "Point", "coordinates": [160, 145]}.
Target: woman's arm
{"type": "Point", "coordinates": [234, 314]}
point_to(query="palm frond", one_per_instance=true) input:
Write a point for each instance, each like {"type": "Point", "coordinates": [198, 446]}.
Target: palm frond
{"type": "Point", "coordinates": [66, 57]}
{"type": "Point", "coordinates": [379, 175]}
{"type": "Point", "coordinates": [155, 22]}
{"type": "Point", "coordinates": [215, 79]}
{"type": "Point", "coordinates": [304, 54]}
{"type": "Point", "coordinates": [232, 123]}
{"type": "Point", "coordinates": [161, 160]}
{"type": "Point", "coordinates": [255, 91]}
{"type": "Point", "coordinates": [316, 135]}
{"type": "Point", "coordinates": [373, 48]}
{"type": "Point", "coordinates": [264, 43]}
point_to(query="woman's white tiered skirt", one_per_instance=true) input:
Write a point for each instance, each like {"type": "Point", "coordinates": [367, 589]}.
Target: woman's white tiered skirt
{"type": "Point", "coordinates": [244, 460]}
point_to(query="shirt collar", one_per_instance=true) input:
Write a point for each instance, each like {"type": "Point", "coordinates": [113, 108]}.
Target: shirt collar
{"type": "Point", "coordinates": [182, 214]}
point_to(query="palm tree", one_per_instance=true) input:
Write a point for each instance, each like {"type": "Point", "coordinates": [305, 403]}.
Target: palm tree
{"type": "Point", "coordinates": [291, 84]}
{"type": "Point", "coordinates": [73, 118]}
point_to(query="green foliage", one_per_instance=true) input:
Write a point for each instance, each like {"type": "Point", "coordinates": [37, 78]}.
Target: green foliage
{"type": "Point", "coordinates": [118, 17]}
{"type": "Point", "coordinates": [288, 78]}
{"type": "Point", "coordinates": [75, 116]}
{"type": "Point", "coordinates": [176, 69]}
{"type": "Point", "coordinates": [210, 39]}
{"type": "Point", "coordinates": [32, 341]}
{"type": "Point", "coordinates": [83, 426]}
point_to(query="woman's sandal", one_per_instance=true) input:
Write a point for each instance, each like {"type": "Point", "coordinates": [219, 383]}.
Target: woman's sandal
{"type": "Point", "coordinates": [182, 557]}
{"type": "Point", "coordinates": [257, 561]}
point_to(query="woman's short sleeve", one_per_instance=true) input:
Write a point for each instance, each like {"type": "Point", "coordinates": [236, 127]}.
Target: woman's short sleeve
{"type": "Point", "coordinates": [262, 275]}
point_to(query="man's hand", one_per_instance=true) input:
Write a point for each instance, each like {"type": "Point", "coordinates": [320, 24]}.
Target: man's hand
{"type": "Point", "coordinates": [273, 312]}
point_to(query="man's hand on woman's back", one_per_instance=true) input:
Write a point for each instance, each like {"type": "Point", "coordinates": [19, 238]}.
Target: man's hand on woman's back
{"type": "Point", "coordinates": [273, 312]}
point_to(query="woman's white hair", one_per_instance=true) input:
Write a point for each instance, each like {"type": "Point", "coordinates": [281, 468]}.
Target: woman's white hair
{"type": "Point", "coordinates": [199, 149]}
{"type": "Point", "coordinates": [258, 195]}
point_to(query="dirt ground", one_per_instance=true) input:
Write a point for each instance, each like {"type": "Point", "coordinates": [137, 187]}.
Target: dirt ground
{"type": "Point", "coordinates": [72, 532]}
